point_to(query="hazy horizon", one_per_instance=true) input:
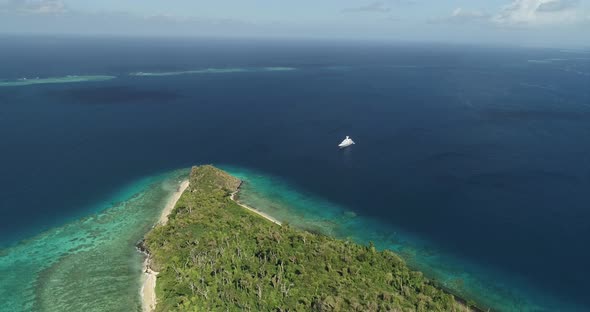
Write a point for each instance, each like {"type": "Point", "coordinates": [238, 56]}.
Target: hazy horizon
{"type": "Point", "coordinates": [582, 48]}
{"type": "Point", "coordinates": [546, 23]}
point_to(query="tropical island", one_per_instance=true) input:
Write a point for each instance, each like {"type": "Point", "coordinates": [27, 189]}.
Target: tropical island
{"type": "Point", "coordinates": [211, 254]}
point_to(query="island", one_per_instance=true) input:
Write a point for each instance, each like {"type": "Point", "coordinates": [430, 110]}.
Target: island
{"type": "Point", "coordinates": [212, 254]}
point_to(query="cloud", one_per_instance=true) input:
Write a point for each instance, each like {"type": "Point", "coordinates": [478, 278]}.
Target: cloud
{"type": "Point", "coordinates": [461, 16]}
{"type": "Point", "coordinates": [188, 21]}
{"type": "Point", "coordinates": [522, 13]}
{"type": "Point", "coordinates": [462, 13]}
{"type": "Point", "coordinates": [46, 7]}
{"type": "Point", "coordinates": [126, 23]}
{"type": "Point", "coordinates": [165, 18]}
{"type": "Point", "coordinates": [404, 2]}
{"type": "Point", "coordinates": [538, 13]}
{"type": "Point", "coordinates": [376, 7]}
{"type": "Point", "coordinates": [557, 5]}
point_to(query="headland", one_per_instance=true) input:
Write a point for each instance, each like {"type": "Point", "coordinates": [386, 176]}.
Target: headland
{"type": "Point", "coordinates": [213, 254]}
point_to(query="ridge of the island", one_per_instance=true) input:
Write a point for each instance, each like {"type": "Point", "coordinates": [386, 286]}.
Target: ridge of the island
{"type": "Point", "coordinates": [214, 255]}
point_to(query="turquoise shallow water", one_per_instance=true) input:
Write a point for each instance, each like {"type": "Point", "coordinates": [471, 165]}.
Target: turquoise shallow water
{"type": "Point", "coordinates": [489, 289]}
{"type": "Point", "coordinates": [55, 80]}
{"type": "Point", "coordinates": [98, 78]}
{"type": "Point", "coordinates": [212, 71]}
{"type": "Point", "coordinates": [90, 264]}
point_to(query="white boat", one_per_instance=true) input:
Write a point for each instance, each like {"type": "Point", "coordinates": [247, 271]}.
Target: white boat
{"type": "Point", "coordinates": [347, 142]}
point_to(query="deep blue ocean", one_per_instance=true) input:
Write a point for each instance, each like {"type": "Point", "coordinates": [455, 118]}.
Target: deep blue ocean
{"type": "Point", "coordinates": [481, 152]}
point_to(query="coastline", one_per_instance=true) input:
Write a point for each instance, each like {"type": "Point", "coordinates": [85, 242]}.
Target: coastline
{"type": "Point", "coordinates": [469, 305]}
{"type": "Point", "coordinates": [172, 202]}
{"type": "Point", "coordinates": [258, 212]}
{"type": "Point", "coordinates": [148, 288]}
{"type": "Point", "coordinates": [212, 196]}
{"type": "Point", "coordinates": [148, 282]}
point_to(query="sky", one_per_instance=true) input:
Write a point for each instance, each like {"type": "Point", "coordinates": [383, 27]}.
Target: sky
{"type": "Point", "coordinates": [558, 23]}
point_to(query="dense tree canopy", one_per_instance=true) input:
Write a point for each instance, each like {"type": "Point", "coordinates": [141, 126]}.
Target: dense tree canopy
{"type": "Point", "coordinates": [214, 255]}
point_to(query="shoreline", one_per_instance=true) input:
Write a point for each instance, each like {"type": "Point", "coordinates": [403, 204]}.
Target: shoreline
{"type": "Point", "coordinates": [149, 276]}
{"type": "Point", "coordinates": [258, 212]}
{"type": "Point", "coordinates": [460, 300]}
{"type": "Point", "coordinates": [148, 280]}
{"type": "Point", "coordinates": [148, 284]}
{"type": "Point", "coordinates": [172, 202]}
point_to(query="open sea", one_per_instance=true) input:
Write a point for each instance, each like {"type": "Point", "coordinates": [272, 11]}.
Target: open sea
{"type": "Point", "coordinates": [472, 163]}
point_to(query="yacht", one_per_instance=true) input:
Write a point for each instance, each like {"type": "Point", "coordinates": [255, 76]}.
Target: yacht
{"type": "Point", "coordinates": [347, 142]}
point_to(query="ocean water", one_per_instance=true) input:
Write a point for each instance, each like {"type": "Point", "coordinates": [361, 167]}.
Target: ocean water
{"type": "Point", "coordinates": [487, 287]}
{"type": "Point", "coordinates": [89, 264]}
{"type": "Point", "coordinates": [52, 80]}
{"type": "Point", "coordinates": [471, 162]}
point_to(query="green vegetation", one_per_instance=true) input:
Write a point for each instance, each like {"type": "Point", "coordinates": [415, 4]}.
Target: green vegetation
{"type": "Point", "coordinates": [214, 255]}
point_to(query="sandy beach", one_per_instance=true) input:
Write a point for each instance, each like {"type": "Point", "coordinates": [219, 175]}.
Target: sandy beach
{"type": "Point", "coordinates": [258, 212]}
{"type": "Point", "coordinates": [172, 202]}
{"type": "Point", "coordinates": [148, 288]}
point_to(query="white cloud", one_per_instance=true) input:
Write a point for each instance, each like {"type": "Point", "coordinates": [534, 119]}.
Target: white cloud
{"type": "Point", "coordinates": [378, 7]}
{"type": "Point", "coordinates": [33, 6]}
{"type": "Point", "coordinates": [460, 16]}
{"type": "Point", "coordinates": [172, 19]}
{"type": "Point", "coordinates": [166, 18]}
{"type": "Point", "coordinates": [557, 5]}
{"type": "Point", "coordinates": [523, 13]}
{"type": "Point", "coordinates": [538, 13]}
{"type": "Point", "coordinates": [460, 13]}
